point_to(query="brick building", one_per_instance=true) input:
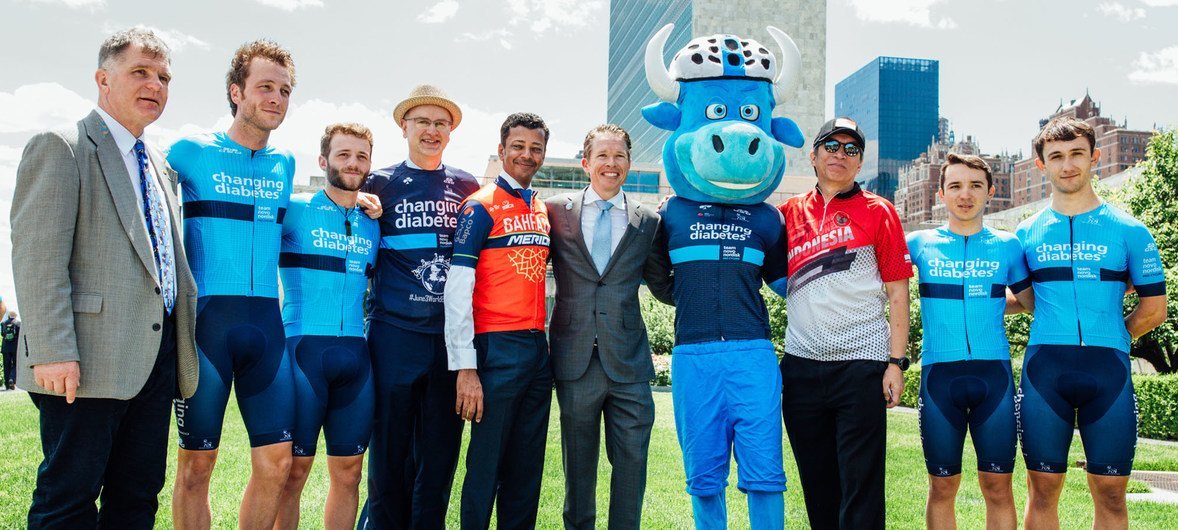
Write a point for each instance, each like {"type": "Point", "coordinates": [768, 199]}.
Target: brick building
{"type": "Point", "coordinates": [916, 197]}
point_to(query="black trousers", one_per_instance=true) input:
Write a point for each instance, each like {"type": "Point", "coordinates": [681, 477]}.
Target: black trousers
{"type": "Point", "coordinates": [10, 365]}
{"type": "Point", "coordinates": [836, 419]}
{"type": "Point", "coordinates": [416, 435]}
{"type": "Point", "coordinates": [505, 458]}
{"type": "Point", "coordinates": [110, 450]}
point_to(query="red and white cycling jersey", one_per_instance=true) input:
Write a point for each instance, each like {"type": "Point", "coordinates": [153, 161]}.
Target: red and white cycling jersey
{"type": "Point", "coordinates": [840, 254]}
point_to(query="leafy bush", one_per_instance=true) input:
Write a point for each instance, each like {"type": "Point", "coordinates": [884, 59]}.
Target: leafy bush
{"type": "Point", "coordinates": [662, 370]}
{"type": "Point", "coordinates": [660, 324]}
{"type": "Point", "coordinates": [1157, 405]}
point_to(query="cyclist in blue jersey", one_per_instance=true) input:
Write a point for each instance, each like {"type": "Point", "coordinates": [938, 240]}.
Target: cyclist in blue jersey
{"type": "Point", "coordinates": [967, 274]}
{"type": "Point", "coordinates": [235, 193]}
{"type": "Point", "coordinates": [328, 252]}
{"type": "Point", "coordinates": [1082, 254]}
{"type": "Point", "coordinates": [416, 435]}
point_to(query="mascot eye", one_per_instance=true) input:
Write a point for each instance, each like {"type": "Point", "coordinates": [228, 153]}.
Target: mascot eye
{"type": "Point", "coordinates": [716, 111]}
{"type": "Point", "coordinates": [750, 112]}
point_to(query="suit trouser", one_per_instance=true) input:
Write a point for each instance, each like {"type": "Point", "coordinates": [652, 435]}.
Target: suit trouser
{"type": "Point", "coordinates": [416, 435]}
{"type": "Point", "coordinates": [836, 419]}
{"type": "Point", "coordinates": [505, 458]}
{"type": "Point", "coordinates": [109, 448]}
{"type": "Point", "coordinates": [628, 409]}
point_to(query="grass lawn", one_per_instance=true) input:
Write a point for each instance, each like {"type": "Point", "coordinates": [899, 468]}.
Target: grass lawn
{"type": "Point", "coordinates": [666, 505]}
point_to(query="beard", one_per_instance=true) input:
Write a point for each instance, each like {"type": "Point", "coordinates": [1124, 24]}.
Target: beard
{"type": "Point", "coordinates": [335, 178]}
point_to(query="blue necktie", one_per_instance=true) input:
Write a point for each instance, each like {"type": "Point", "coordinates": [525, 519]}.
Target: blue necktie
{"type": "Point", "coordinates": [153, 216]}
{"type": "Point", "coordinates": [602, 236]}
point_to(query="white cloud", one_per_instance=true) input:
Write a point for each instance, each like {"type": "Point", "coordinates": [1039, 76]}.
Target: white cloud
{"type": "Point", "coordinates": [40, 106]}
{"type": "Point", "coordinates": [290, 5]}
{"type": "Point", "coordinates": [1157, 67]}
{"type": "Point", "coordinates": [1120, 11]}
{"type": "Point", "coordinates": [912, 12]}
{"type": "Point", "coordinates": [440, 12]}
{"type": "Point", "coordinates": [177, 40]}
{"type": "Point", "coordinates": [73, 4]}
{"type": "Point", "coordinates": [500, 34]}
{"type": "Point", "coordinates": [1160, 3]}
{"type": "Point", "coordinates": [543, 15]}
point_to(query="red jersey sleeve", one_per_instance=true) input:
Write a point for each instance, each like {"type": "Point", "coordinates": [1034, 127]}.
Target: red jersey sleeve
{"type": "Point", "coordinates": [891, 249]}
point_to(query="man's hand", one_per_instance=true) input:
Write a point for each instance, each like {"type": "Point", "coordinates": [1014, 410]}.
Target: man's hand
{"type": "Point", "coordinates": [893, 385]}
{"type": "Point", "coordinates": [59, 378]}
{"type": "Point", "coordinates": [470, 396]}
{"type": "Point", "coordinates": [370, 204]}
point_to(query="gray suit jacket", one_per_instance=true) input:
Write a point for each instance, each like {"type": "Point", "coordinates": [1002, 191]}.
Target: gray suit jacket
{"type": "Point", "coordinates": [85, 274]}
{"type": "Point", "coordinates": [602, 306]}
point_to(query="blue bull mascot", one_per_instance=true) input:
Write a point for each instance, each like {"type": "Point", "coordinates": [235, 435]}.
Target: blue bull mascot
{"type": "Point", "coordinates": [725, 156]}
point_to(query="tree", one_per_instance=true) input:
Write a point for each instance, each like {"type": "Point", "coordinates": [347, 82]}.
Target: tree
{"type": "Point", "coordinates": [1153, 199]}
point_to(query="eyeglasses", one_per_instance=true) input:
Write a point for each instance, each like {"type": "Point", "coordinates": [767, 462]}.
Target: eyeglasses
{"type": "Point", "coordinates": [832, 147]}
{"type": "Point", "coordinates": [424, 123]}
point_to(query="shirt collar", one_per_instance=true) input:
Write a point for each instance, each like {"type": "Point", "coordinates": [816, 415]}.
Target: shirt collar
{"type": "Point", "coordinates": [123, 138]}
{"type": "Point", "coordinates": [510, 181]}
{"type": "Point", "coordinates": [855, 188]}
{"type": "Point", "coordinates": [618, 201]}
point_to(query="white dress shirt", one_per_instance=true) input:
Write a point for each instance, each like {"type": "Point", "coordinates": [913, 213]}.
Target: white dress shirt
{"type": "Point", "coordinates": [126, 144]}
{"type": "Point", "coordinates": [590, 211]}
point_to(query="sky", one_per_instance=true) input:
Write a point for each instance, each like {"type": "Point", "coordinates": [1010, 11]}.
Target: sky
{"type": "Point", "coordinates": [1004, 65]}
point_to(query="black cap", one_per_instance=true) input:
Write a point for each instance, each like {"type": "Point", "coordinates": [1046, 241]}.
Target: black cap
{"type": "Point", "coordinates": [840, 125]}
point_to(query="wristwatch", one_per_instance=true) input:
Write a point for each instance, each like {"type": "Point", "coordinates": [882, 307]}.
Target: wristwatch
{"type": "Point", "coordinates": [902, 362]}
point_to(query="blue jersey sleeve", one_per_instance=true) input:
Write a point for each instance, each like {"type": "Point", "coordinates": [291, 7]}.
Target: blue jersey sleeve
{"type": "Point", "coordinates": [914, 244]}
{"type": "Point", "coordinates": [474, 226]}
{"type": "Point", "coordinates": [180, 156]}
{"type": "Point", "coordinates": [1145, 264]}
{"type": "Point", "coordinates": [776, 263]}
{"type": "Point", "coordinates": [1018, 276]}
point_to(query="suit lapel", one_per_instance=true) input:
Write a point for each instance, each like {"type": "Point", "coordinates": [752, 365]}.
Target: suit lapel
{"type": "Point", "coordinates": [577, 235]}
{"type": "Point", "coordinates": [114, 171]}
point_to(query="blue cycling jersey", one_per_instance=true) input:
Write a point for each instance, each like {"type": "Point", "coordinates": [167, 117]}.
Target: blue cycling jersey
{"type": "Point", "coordinates": [234, 202]}
{"type": "Point", "coordinates": [720, 253]}
{"type": "Point", "coordinates": [417, 239]}
{"type": "Point", "coordinates": [327, 257]}
{"type": "Point", "coordinates": [1080, 265]}
{"type": "Point", "coordinates": [963, 281]}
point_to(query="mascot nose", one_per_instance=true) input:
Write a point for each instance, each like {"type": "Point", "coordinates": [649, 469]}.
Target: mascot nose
{"type": "Point", "coordinates": [756, 143]}
{"type": "Point", "coordinates": [717, 143]}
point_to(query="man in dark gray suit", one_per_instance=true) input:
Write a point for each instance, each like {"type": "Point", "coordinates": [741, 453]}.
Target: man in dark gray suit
{"type": "Point", "coordinates": [601, 241]}
{"type": "Point", "coordinates": [108, 299]}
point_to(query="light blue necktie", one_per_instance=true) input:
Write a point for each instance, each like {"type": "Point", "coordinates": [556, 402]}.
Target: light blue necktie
{"type": "Point", "coordinates": [153, 216]}
{"type": "Point", "coordinates": [602, 236]}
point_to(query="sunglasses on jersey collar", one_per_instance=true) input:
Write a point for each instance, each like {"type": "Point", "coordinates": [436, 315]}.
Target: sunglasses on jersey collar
{"type": "Point", "coordinates": [832, 147]}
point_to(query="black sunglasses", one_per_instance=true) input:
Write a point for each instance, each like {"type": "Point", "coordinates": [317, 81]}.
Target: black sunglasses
{"type": "Point", "coordinates": [832, 147]}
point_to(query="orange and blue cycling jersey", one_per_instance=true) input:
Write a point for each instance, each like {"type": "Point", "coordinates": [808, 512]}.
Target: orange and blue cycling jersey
{"type": "Point", "coordinates": [503, 234]}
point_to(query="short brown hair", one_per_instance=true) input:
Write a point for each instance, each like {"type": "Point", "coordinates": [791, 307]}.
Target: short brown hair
{"type": "Point", "coordinates": [1064, 129]}
{"type": "Point", "coordinates": [239, 66]}
{"type": "Point", "coordinates": [970, 161]}
{"type": "Point", "coordinates": [115, 45]}
{"type": "Point", "coordinates": [350, 129]}
{"type": "Point", "coordinates": [605, 130]}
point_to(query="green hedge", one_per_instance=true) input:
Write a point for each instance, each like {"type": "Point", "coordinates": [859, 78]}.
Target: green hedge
{"type": "Point", "coordinates": [1157, 406]}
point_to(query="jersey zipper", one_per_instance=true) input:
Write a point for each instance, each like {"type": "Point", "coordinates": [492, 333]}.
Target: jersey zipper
{"type": "Point", "coordinates": [965, 298]}
{"type": "Point", "coordinates": [1072, 259]}
{"type": "Point", "coordinates": [253, 225]}
{"type": "Point", "coordinates": [344, 279]}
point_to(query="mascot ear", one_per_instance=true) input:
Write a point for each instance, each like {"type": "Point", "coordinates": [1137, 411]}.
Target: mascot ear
{"type": "Point", "coordinates": [786, 132]}
{"type": "Point", "coordinates": [665, 115]}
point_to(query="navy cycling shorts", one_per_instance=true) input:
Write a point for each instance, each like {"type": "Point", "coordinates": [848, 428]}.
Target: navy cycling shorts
{"type": "Point", "coordinates": [978, 395]}
{"type": "Point", "coordinates": [333, 390]}
{"type": "Point", "coordinates": [1065, 385]}
{"type": "Point", "coordinates": [239, 339]}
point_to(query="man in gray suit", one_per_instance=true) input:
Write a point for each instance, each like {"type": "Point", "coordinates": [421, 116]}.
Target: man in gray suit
{"type": "Point", "coordinates": [601, 241]}
{"type": "Point", "coordinates": [107, 296]}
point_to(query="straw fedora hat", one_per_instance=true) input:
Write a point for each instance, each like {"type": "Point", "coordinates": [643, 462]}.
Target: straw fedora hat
{"type": "Point", "coordinates": [428, 95]}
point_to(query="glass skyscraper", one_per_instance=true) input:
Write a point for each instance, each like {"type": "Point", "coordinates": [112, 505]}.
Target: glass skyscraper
{"type": "Point", "coordinates": [896, 102]}
{"type": "Point", "coordinates": [631, 24]}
